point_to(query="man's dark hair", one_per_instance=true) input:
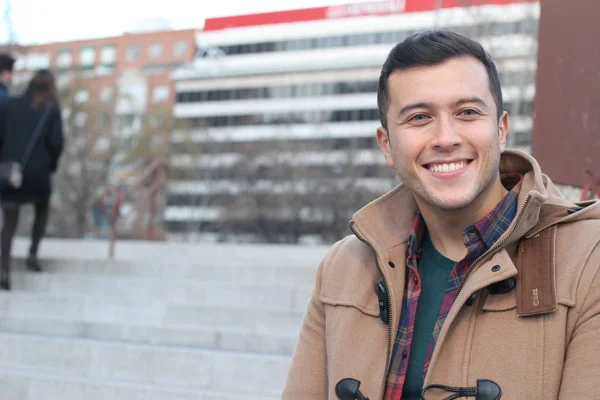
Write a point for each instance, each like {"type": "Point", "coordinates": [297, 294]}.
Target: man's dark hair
{"type": "Point", "coordinates": [6, 62]}
{"type": "Point", "coordinates": [433, 48]}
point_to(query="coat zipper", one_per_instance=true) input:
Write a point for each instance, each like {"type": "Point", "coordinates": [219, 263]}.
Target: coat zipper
{"type": "Point", "coordinates": [494, 247]}
{"type": "Point", "coordinates": [389, 346]}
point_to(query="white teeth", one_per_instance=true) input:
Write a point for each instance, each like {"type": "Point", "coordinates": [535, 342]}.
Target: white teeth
{"type": "Point", "coordinates": [448, 167]}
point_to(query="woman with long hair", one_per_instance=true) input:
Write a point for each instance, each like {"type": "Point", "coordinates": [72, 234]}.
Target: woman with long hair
{"type": "Point", "coordinates": [36, 114]}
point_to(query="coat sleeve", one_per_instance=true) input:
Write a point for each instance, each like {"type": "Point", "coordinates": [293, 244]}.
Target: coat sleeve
{"type": "Point", "coordinates": [581, 372]}
{"type": "Point", "coordinates": [55, 139]}
{"type": "Point", "coordinates": [307, 376]}
{"type": "Point", "coordinates": [3, 111]}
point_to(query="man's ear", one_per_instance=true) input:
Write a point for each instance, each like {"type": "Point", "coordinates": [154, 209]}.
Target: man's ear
{"type": "Point", "coordinates": [503, 128]}
{"type": "Point", "coordinates": [383, 140]}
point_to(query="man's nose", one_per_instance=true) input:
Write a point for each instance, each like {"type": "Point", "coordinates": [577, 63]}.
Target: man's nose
{"type": "Point", "coordinates": [447, 136]}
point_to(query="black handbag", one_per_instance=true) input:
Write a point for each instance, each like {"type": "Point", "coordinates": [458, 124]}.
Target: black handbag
{"type": "Point", "coordinates": [11, 172]}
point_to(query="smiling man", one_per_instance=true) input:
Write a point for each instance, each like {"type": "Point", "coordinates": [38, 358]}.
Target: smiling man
{"type": "Point", "coordinates": [473, 278]}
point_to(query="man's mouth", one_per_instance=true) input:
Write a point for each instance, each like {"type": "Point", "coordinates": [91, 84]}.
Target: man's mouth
{"type": "Point", "coordinates": [448, 166]}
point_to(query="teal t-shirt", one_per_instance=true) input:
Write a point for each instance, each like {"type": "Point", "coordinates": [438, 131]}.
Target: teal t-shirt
{"type": "Point", "coordinates": [434, 271]}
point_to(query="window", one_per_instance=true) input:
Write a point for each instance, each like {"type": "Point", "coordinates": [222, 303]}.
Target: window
{"type": "Point", "coordinates": [224, 95]}
{"type": "Point", "coordinates": [82, 96]}
{"type": "Point", "coordinates": [354, 40]}
{"type": "Point", "coordinates": [106, 94]}
{"type": "Point", "coordinates": [155, 121]}
{"type": "Point", "coordinates": [287, 91]}
{"type": "Point", "coordinates": [20, 61]}
{"type": "Point", "coordinates": [126, 122]}
{"type": "Point", "coordinates": [180, 49]}
{"type": "Point", "coordinates": [37, 61]}
{"type": "Point", "coordinates": [87, 56]}
{"type": "Point", "coordinates": [160, 94]}
{"type": "Point", "coordinates": [133, 52]}
{"type": "Point", "coordinates": [102, 145]}
{"type": "Point", "coordinates": [108, 54]}
{"type": "Point", "coordinates": [266, 47]}
{"type": "Point", "coordinates": [155, 51]}
{"type": "Point", "coordinates": [288, 118]}
{"type": "Point", "coordinates": [64, 59]}
{"type": "Point", "coordinates": [302, 90]}
{"type": "Point", "coordinates": [299, 44]}
{"type": "Point", "coordinates": [80, 119]}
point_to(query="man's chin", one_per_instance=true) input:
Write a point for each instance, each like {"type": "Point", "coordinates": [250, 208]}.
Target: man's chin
{"type": "Point", "coordinates": [451, 203]}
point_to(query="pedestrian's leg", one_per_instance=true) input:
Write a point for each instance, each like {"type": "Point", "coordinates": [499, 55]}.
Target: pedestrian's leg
{"type": "Point", "coordinates": [11, 219]}
{"type": "Point", "coordinates": [37, 233]}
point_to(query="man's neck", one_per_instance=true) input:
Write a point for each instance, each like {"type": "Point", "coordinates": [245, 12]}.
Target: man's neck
{"type": "Point", "coordinates": [446, 227]}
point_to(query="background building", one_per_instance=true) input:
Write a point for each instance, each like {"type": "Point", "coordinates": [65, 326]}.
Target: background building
{"type": "Point", "coordinates": [280, 112]}
{"type": "Point", "coordinates": [130, 71]}
{"type": "Point", "coordinates": [117, 97]}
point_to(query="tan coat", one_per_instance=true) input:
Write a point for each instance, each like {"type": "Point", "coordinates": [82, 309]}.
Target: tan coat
{"type": "Point", "coordinates": [538, 341]}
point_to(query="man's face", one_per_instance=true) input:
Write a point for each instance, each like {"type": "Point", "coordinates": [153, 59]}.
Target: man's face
{"type": "Point", "coordinates": [444, 139]}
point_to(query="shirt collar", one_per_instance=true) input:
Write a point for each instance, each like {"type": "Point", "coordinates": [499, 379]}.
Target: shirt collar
{"type": "Point", "coordinates": [487, 230]}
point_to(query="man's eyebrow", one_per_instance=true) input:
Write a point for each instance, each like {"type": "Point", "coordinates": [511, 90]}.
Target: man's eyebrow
{"type": "Point", "coordinates": [472, 100]}
{"type": "Point", "coordinates": [409, 107]}
{"type": "Point", "coordinates": [465, 100]}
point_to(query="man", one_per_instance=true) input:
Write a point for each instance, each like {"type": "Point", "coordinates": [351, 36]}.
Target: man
{"type": "Point", "coordinates": [6, 70]}
{"type": "Point", "coordinates": [472, 279]}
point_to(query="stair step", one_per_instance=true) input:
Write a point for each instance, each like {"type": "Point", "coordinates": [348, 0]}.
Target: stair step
{"type": "Point", "coordinates": [161, 321]}
{"type": "Point", "coordinates": [198, 337]}
{"type": "Point", "coordinates": [29, 385]}
{"type": "Point", "coordinates": [148, 289]}
{"type": "Point", "coordinates": [184, 368]}
{"type": "Point", "coordinates": [158, 312]}
{"type": "Point", "coordinates": [173, 253]}
{"type": "Point", "coordinates": [282, 274]}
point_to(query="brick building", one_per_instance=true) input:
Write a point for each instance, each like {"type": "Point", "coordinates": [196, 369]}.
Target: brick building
{"type": "Point", "coordinates": [131, 71]}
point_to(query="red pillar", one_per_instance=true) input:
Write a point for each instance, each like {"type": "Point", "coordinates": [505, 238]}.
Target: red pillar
{"type": "Point", "coordinates": [566, 134]}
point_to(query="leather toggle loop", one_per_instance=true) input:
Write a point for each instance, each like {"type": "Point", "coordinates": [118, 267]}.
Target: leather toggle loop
{"type": "Point", "coordinates": [503, 287]}
{"type": "Point", "coordinates": [485, 390]}
{"type": "Point", "coordinates": [382, 296]}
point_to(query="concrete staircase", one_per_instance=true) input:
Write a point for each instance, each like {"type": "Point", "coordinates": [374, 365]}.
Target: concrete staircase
{"type": "Point", "coordinates": [161, 321]}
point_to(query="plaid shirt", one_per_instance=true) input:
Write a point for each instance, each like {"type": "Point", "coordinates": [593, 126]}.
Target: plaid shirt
{"type": "Point", "coordinates": [478, 238]}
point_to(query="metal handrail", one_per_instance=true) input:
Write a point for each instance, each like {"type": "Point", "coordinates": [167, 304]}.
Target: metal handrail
{"type": "Point", "coordinates": [156, 173]}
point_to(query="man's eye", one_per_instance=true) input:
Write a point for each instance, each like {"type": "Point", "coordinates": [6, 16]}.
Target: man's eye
{"type": "Point", "coordinates": [469, 112]}
{"type": "Point", "coordinates": [419, 117]}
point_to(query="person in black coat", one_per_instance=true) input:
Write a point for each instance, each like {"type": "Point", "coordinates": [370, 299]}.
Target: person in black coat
{"type": "Point", "coordinates": [7, 63]}
{"type": "Point", "coordinates": [18, 121]}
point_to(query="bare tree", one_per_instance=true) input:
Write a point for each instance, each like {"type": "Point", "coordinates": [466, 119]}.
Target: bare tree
{"type": "Point", "coordinates": [154, 138]}
{"type": "Point", "coordinates": [299, 188]}
{"type": "Point", "coordinates": [86, 160]}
